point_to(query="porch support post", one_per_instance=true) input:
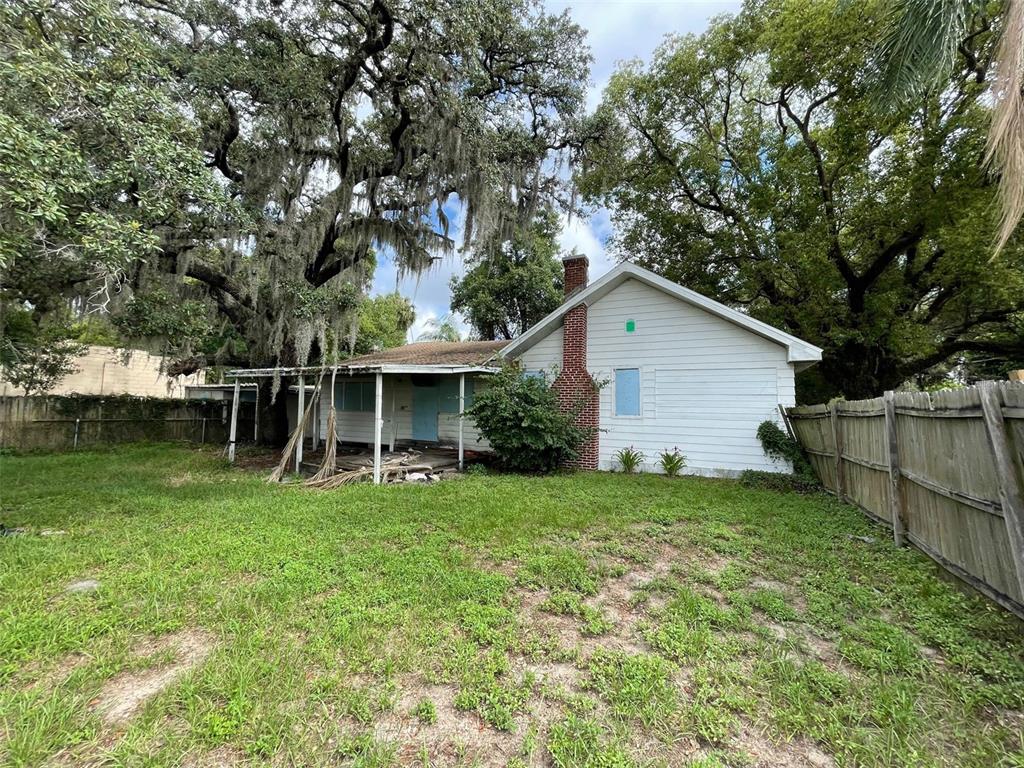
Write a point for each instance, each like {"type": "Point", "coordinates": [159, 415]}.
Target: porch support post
{"type": "Point", "coordinates": [300, 411]}
{"type": "Point", "coordinates": [234, 422]}
{"type": "Point", "coordinates": [394, 426]}
{"type": "Point", "coordinates": [378, 421]}
{"type": "Point", "coordinates": [462, 418]}
{"type": "Point", "coordinates": [316, 414]}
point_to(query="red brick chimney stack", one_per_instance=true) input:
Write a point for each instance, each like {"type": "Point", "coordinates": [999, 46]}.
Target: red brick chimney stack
{"type": "Point", "coordinates": [576, 389]}
{"type": "Point", "coordinates": [576, 268]}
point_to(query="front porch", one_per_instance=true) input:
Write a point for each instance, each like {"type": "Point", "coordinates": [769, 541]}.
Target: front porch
{"type": "Point", "coordinates": [416, 395]}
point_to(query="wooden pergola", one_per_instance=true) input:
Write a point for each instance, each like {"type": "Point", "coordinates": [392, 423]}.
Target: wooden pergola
{"type": "Point", "coordinates": [378, 371]}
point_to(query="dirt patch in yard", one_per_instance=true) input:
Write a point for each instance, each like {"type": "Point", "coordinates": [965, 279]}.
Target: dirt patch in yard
{"type": "Point", "coordinates": [767, 753]}
{"type": "Point", "coordinates": [222, 757]}
{"type": "Point", "coordinates": [123, 696]}
{"type": "Point", "coordinates": [552, 677]}
{"type": "Point", "coordinates": [57, 675]}
{"type": "Point", "coordinates": [455, 737]}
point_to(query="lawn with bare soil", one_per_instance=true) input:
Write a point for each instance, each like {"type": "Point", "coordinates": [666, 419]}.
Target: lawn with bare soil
{"type": "Point", "coordinates": [591, 620]}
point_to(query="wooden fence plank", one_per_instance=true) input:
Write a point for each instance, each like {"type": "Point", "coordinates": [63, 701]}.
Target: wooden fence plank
{"type": "Point", "coordinates": [837, 446]}
{"type": "Point", "coordinates": [895, 498]}
{"type": "Point", "coordinates": [1009, 485]}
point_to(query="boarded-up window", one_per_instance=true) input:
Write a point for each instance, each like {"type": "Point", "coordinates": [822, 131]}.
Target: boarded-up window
{"type": "Point", "coordinates": [627, 392]}
{"type": "Point", "coordinates": [358, 395]}
{"type": "Point", "coordinates": [450, 394]}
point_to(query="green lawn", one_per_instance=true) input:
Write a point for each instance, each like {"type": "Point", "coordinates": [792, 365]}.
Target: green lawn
{"type": "Point", "coordinates": [574, 620]}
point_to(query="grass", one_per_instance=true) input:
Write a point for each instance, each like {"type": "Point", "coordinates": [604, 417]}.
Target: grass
{"type": "Point", "coordinates": [575, 620]}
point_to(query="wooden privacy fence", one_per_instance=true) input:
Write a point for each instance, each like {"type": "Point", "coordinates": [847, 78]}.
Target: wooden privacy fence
{"type": "Point", "coordinates": [63, 423]}
{"type": "Point", "coordinates": [942, 469]}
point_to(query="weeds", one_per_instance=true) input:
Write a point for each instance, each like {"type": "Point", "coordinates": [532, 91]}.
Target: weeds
{"type": "Point", "coordinates": [789, 614]}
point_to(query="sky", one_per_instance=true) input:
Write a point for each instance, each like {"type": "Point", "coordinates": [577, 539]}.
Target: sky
{"type": "Point", "coordinates": [617, 30]}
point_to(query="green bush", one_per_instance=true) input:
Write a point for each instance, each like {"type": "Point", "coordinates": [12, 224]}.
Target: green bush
{"type": "Point", "coordinates": [777, 444]}
{"type": "Point", "coordinates": [521, 419]}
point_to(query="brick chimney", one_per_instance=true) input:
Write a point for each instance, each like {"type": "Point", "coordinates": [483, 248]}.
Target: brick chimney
{"type": "Point", "coordinates": [577, 391]}
{"type": "Point", "coordinates": [576, 268]}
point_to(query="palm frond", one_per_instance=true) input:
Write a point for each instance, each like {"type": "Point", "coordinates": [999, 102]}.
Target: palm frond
{"type": "Point", "coordinates": [1005, 151]}
{"type": "Point", "coordinates": [919, 47]}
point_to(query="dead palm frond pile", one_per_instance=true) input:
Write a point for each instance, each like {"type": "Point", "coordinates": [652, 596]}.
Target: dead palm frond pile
{"type": "Point", "coordinates": [297, 435]}
{"type": "Point", "coordinates": [329, 464]}
{"type": "Point", "coordinates": [394, 469]}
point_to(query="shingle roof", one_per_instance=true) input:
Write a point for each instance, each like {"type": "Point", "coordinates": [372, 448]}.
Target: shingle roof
{"type": "Point", "coordinates": [430, 353]}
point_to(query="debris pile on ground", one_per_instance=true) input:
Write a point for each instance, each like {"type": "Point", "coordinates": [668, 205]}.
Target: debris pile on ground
{"type": "Point", "coordinates": [408, 466]}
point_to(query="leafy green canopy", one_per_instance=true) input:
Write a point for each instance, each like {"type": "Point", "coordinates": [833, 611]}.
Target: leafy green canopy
{"type": "Point", "coordinates": [252, 156]}
{"type": "Point", "coordinates": [384, 322]}
{"type": "Point", "coordinates": [511, 284]}
{"type": "Point", "coordinates": [94, 152]}
{"type": "Point", "coordinates": [95, 155]}
{"type": "Point", "coordinates": [750, 164]}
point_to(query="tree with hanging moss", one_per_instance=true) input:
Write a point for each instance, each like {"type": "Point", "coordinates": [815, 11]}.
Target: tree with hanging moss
{"type": "Point", "coordinates": [334, 129]}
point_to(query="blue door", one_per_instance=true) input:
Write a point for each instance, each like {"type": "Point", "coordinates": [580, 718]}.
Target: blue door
{"type": "Point", "coordinates": [425, 403]}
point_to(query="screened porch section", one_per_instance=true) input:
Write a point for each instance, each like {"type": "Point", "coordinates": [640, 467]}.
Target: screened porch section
{"type": "Point", "coordinates": [418, 409]}
{"type": "Point", "coordinates": [415, 395]}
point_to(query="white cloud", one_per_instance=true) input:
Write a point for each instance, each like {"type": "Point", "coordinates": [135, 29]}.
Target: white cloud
{"type": "Point", "coordinates": [584, 236]}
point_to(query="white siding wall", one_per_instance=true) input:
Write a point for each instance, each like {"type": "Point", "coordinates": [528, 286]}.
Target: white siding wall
{"type": "Point", "coordinates": [357, 426]}
{"type": "Point", "coordinates": [545, 355]}
{"type": "Point", "coordinates": [705, 383]}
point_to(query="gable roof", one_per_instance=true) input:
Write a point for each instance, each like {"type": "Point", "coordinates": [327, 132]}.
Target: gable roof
{"type": "Point", "coordinates": [798, 351]}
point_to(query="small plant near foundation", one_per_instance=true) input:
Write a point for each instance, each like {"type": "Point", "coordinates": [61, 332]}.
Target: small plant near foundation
{"type": "Point", "coordinates": [672, 462]}
{"type": "Point", "coordinates": [426, 712]}
{"type": "Point", "coordinates": [629, 459]}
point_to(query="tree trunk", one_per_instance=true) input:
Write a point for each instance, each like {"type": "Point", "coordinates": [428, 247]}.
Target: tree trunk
{"type": "Point", "coordinates": [273, 416]}
{"type": "Point", "coordinates": [859, 371]}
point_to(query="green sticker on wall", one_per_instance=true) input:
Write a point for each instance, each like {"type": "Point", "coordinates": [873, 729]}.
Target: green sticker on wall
{"type": "Point", "coordinates": [630, 326]}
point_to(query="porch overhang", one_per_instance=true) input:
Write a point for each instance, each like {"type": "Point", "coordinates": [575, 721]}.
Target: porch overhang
{"type": "Point", "coordinates": [390, 368]}
{"type": "Point", "coordinates": [378, 371]}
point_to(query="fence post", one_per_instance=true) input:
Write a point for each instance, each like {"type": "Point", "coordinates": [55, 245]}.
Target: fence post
{"type": "Point", "coordinates": [837, 441]}
{"type": "Point", "coordinates": [74, 445]}
{"type": "Point", "coordinates": [1009, 487]}
{"type": "Point", "coordinates": [895, 499]}
{"type": "Point", "coordinates": [202, 439]}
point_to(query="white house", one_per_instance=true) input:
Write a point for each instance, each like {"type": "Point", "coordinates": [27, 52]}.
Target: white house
{"type": "Point", "coordinates": [651, 364]}
{"type": "Point", "coordinates": [674, 369]}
